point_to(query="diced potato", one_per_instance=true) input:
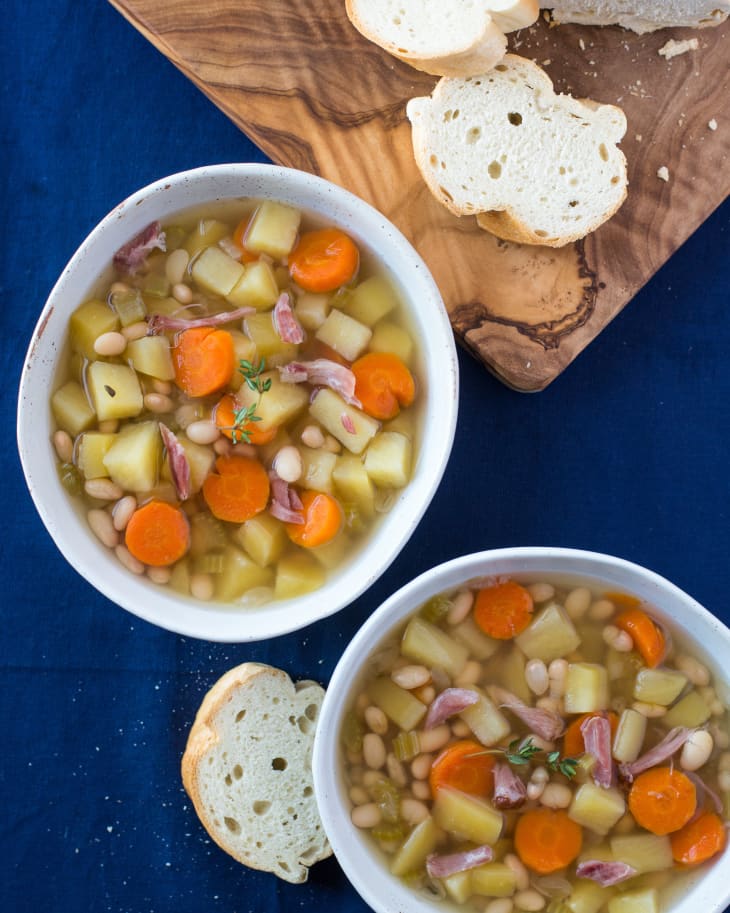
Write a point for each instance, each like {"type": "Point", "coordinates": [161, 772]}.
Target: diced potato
{"type": "Point", "coordinates": [92, 448]}
{"type": "Point", "coordinates": [180, 579]}
{"type": "Point", "coordinates": [467, 633]}
{"type": "Point", "coordinates": [495, 879]}
{"type": "Point", "coordinates": [71, 408]}
{"type": "Point", "coordinates": [691, 711]}
{"type": "Point", "coordinates": [458, 886]}
{"type": "Point", "coordinates": [151, 355]}
{"type": "Point", "coordinates": [596, 808]}
{"type": "Point", "coordinates": [200, 460]}
{"type": "Point", "coordinates": [353, 484]}
{"type": "Point", "coordinates": [328, 409]}
{"type": "Point", "coordinates": [466, 817]}
{"type": "Point", "coordinates": [371, 300]}
{"type": "Point", "coordinates": [133, 460]}
{"type": "Point", "coordinates": [404, 423]}
{"type": "Point", "coordinates": [346, 336]}
{"type": "Point", "coordinates": [399, 705]}
{"type": "Point", "coordinates": [239, 574]}
{"type": "Point", "coordinates": [508, 670]}
{"type": "Point", "coordinates": [88, 322]}
{"type": "Point", "coordinates": [206, 232]}
{"type": "Point", "coordinates": [388, 459]}
{"type": "Point", "coordinates": [273, 230]}
{"type": "Point", "coordinates": [278, 405]}
{"type": "Point", "coordinates": [263, 537]}
{"type": "Point", "coordinates": [317, 469]}
{"type": "Point", "coordinates": [216, 272]}
{"type": "Point", "coordinates": [644, 852]}
{"type": "Point", "coordinates": [332, 553]}
{"type": "Point", "coordinates": [256, 288]}
{"type": "Point", "coordinates": [433, 647]}
{"type": "Point", "coordinates": [629, 738]}
{"type": "Point", "coordinates": [485, 720]}
{"type": "Point", "coordinates": [389, 337]}
{"type": "Point", "coordinates": [601, 852]}
{"type": "Point", "coordinates": [114, 390]}
{"type": "Point", "coordinates": [419, 844]}
{"type": "Point", "coordinates": [659, 686]}
{"type": "Point", "coordinates": [311, 309]}
{"type": "Point", "coordinates": [550, 635]}
{"type": "Point", "coordinates": [646, 901]}
{"type": "Point", "coordinates": [297, 574]}
{"type": "Point", "coordinates": [244, 349]}
{"type": "Point", "coordinates": [585, 897]}
{"type": "Point", "coordinates": [269, 345]}
{"type": "Point", "coordinates": [586, 688]}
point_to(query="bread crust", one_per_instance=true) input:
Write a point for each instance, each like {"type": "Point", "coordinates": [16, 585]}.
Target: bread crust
{"type": "Point", "coordinates": [640, 16]}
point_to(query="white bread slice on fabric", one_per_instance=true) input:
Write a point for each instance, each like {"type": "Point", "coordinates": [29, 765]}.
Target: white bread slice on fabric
{"type": "Point", "coordinates": [445, 38]}
{"type": "Point", "coordinates": [537, 167]}
{"type": "Point", "coordinates": [640, 15]}
{"type": "Point", "coordinates": [247, 769]}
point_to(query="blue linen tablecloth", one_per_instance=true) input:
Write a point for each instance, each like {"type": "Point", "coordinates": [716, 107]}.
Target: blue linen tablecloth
{"type": "Point", "coordinates": [627, 453]}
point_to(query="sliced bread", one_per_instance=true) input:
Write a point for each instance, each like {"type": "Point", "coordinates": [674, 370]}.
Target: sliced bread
{"type": "Point", "coordinates": [640, 15]}
{"type": "Point", "coordinates": [449, 38]}
{"type": "Point", "coordinates": [247, 769]}
{"type": "Point", "coordinates": [537, 167]}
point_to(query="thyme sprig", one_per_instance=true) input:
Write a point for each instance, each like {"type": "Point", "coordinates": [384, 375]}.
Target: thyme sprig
{"type": "Point", "coordinates": [520, 752]}
{"type": "Point", "coordinates": [243, 417]}
{"type": "Point", "coordinates": [252, 375]}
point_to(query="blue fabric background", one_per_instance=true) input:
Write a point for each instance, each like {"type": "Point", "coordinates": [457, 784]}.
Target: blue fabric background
{"type": "Point", "coordinates": [626, 453]}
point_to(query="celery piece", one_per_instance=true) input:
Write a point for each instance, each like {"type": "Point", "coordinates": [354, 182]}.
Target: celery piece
{"type": "Point", "coordinates": [406, 746]}
{"type": "Point", "coordinates": [399, 705]}
{"type": "Point", "coordinates": [70, 478]}
{"type": "Point", "coordinates": [352, 732]}
{"type": "Point", "coordinates": [206, 534]}
{"type": "Point", "coordinates": [435, 609]}
{"type": "Point", "coordinates": [386, 795]}
{"type": "Point", "coordinates": [211, 563]}
{"type": "Point", "coordinates": [130, 307]}
{"type": "Point", "coordinates": [433, 647]}
{"type": "Point", "coordinates": [156, 286]}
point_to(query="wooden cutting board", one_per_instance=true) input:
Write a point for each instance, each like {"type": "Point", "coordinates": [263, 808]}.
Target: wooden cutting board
{"type": "Point", "coordinates": [313, 94]}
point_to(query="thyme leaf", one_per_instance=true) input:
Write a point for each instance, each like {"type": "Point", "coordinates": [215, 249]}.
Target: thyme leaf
{"type": "Point", "coordinates": [240, 433]}
{"type": "Point", "coordinates": [520, 752]}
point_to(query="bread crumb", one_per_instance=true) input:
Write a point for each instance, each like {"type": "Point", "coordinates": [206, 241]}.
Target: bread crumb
{"type": "Point", "coordinates": [712, 124]}
{"type": "Point", "coordinates": [581, 44]}
{"type": "Point", "coordinates": [639, 137]}
{"type": "Point", "coordinates": [674, 48]}
{"type": "Point", "coordinates": [663, 173]}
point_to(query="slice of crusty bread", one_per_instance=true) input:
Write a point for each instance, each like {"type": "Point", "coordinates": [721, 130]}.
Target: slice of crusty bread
{"type": "Point", "coordinates": [447, 38]}
{"type": "Point", "coordinates": [537, 167]}
{"type": "Point", "coordinates": [640, 15]}
{"type": "Point", "coordinates": [247, 769]}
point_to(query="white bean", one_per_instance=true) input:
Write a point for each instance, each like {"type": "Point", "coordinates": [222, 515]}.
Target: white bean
{"type": "Point", "coordinates": [421, 766]}
{"type": "Point", "coordinates": [109, 344]}
{"type": "Point", "coordinates": [102, 527]}
{"type": "Point", "coordinates": [535, 790]}
{"type": "Point", "coordinates": [556, 795]}
{"type": "Point", "coordinates": [202, 432]}
{"type": "Point", "coordinates": [128, 560]}
{"type": "Point", "coordinates": [122, 512]}
{"type": "Point", "coordinates": [717, 708]}
{"type": "Point", "coordinates": [64, 446]}
{"type": "Point", "coordinates": [522, 879]}
{"type": "Point", "coordinates": [161, 386]}
{"type": "Point", "coordinates": [182, 293]}
{"type": "Point", "coordinates": [557, 673]}
{"type": "Point", "coordinates": [312, 437]}
{"type": "Point", "coordinates": [421, 790]}
{"type": "Point", "coordinates": [103, 489]}
{"type": "Point", "coordinates": [425, 694]}
{"type": "Point", "coordinates": [354, 757]}
{"type": "Point", "coordinates": [413, 811]}
{"type": "Point", "coordinates": [362, 702]}
{"type": "Point", "coordinates": [721, 737]}
{"type": "Point", "coordinates": [358, 795]}
{"type": "Point", "coordinates": [530, 900]}
{"type": "Point", "coordinates": [410, 677]}
{"type": "Point", "coordinates": [160, 575]}
{"type": "Point", "coordinates": [696, 672]}
{"type": "Point", "coordinates": [135, 330]}
{"type": "Point", "coordinates": [109, 426]}
{"type": "Point", "coordinates": [371, 777]}
{"type": "Point", "coordinates": [223, 447]}
{"type": "Point", "coordinates": [540, 775]}
{"type": "Point", "coordinates": [577, 602]}
{"type": "Point", "coordinates": [460, 607]}
{"type": "Point", "coordinates": [395, 769]}
{"type": "Point", "coordinates": [620, 641]}
{"type": "Point", "coordinates": [541, 592]}
{"type": "Point", "coordinates": [500, 905]}
{"type": "Point", "coordinates": [202, 586]}
{"type": "Point", "coordinates": [460, 729]}
{"type": "Point", "coordinates": [287, 464]}
{"type": "Point", "coordinates": [696, 750]}
{"type": "Point", "coordinates": [373, 751]}
{"type": "Point", "coordinates": [601, 610]}
{"type": "Point", "coordinates": [433, 739]}
{"type": "Point", "coordinates": [375, 718]}
{"type": "Point", "coordinates": [553, 704]}
{"type": "Point", "coordinates": [176, 264]}
{"type": "Point", "coordinates": [367, 815]}
{"type": "Point", "coordinates": [536, 676]}
{"type": "Point", "coordinates": [158, 403]}
{"type": "Point", "coordinates": [469, 675]}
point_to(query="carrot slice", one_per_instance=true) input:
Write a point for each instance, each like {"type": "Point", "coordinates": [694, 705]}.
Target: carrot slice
{"type": "Point", "coordinates": [699, 840]}
{"type": "Point", "coordinates": [383, 384]}
{"type": "Point", "coordinates": [158, 534]}
{"type": "Point", "coordinates": [238, 490]}
{"type": "Point", "coordinates": [547, 840]}
{"type": "Point", "coordinates": [204, 360]}
{"type": "Point", "coordinates": [662, 800]}
{"type": "Point", "coordinates": [323, 260]}
{"type": "Point", "coordinates": [224, 416]}
{"type": "Point", "coordinates": [322, 520]}
{"type": "Point", "coordinates": [239, 239]}
{"type": "Point", "coordinates": [465, 767]}
{"type": "Point", "coordinates": [646, 634]}
{"type": "Point", "coordinates": [623, 600]}
{"type": "Point", "coordinates": [573, 744]}
{"type": "Point", "coordinates": [504, 610]}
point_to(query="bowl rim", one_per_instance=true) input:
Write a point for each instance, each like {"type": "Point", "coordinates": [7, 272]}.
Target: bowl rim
{"type": "Point", "coordinates": [355, 856]}
{"type": "Point", "coordinates": [216, 621]}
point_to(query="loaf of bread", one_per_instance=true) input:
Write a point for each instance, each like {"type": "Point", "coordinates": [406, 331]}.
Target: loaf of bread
{"type": "Point", "coordinates": [448, 38]}
{"type": "Point", "coordinates": [537, 168]}
{"type": "Point", "coordinates": [247, 769]}
{"type": "Point", "coordinates": [640, 15]}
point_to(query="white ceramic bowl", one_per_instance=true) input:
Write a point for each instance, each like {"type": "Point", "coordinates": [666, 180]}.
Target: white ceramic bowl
{"type": "Point", "coordinates": [437, 368]}
{"type": "Point", "coordinates": [354, 850]}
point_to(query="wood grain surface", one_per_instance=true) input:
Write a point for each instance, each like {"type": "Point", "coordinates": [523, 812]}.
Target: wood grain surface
{"type": "Point", "coordinates": [298, 79]}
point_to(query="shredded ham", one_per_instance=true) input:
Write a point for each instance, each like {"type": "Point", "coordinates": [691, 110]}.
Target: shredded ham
{"type": "Point", "coordinates": [596, 732]}
{"type": "Point", "coordinates": [604, 873]}
{"type": "Point", "coordinates": [443, 866]}
{"type": "Point", "coordinates": [671, 742]}
{"type": "Point", "coordinates": [179, 466]}
{"type": "Point", "coordinates": [285, 323]}
{"type": "Point", "coordinates": [702, 787]}
{"type": "Point", "coordinates": [286, 505]}
{"type": "Point", "coordinates": [544, 723]}
{"type": "Point", "coordinates": [447, 704]}
{"type": "Point", "coordinates": [161, 323]}
{"type": "Point", "coordinates": [132, 255]}
{"type": "Point", "coordinates": [324, 373]}
{"type": "Point", "coordinates": [509, 790]}
{"type": "Point", "coordinates": [347, 423]}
